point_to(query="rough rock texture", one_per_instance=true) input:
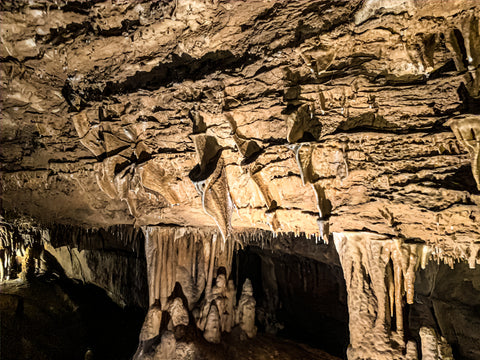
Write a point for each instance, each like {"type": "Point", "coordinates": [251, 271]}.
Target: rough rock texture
{"type": "Point", "coordinates": [447, 302]}
{"type": "Point", "coordinates": [181, 265]}
{"type": "Point", "coordinates": [355, 120]}
{"type": "Point", "coordinates": [182, 112]}
{"type": "Point", "coordinates": [379, 273]}
{"type": "Point", "coordinates": [111, 258]}
{"type": "Point", "coordinates": [302, 297]}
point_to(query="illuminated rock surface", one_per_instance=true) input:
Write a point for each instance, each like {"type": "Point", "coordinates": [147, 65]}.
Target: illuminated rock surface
{"type": "Point", "coordinates": [173, 152]}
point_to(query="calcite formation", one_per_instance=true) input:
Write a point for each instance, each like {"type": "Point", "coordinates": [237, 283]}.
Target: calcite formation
{"type": "Point", "coordinates": [380, 275]}
{"type": "Point", "coordinates": [467, 131]}
{"type": "Point", "coordinates": [184, 262]}
{"type": "Point", "coordinates": [214, 124]}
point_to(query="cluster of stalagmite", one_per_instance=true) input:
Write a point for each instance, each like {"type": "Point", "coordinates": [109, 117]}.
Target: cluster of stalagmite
{"type": "Point", "coordinates": [189, 285]}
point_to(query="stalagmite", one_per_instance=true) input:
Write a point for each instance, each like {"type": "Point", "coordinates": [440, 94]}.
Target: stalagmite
{"type": "Point", "coordinates": [178, 313]}
{"type": "Point", "coordinates": [28, 264]}
{"type": "Point", "coordinates": [230, 306]}
{"type": "Point", "coordinates": [212, 325]}
{"type": "Point", "coordinates": [434, 347]}
{"type": "Point", "coordinates": [357, 121]}
{"type": "Point", "coordinates": [246, 310]}
{"type": "Point", "coordinates": [166, 349]}
{"type": "Point", "coordinates": [219, 295]}
{"type": "Point", "coordinates": [190, 258]}
{"type": "Point", "coordinates": [151, 325]}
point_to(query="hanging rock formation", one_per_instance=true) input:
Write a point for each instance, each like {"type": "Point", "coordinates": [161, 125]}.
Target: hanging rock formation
{"type": "Point", "coordinates": [380, 277]}
{"type": "Point", "coordinates": [467, 131]}
{"type": "Point", "coordinates": [182, 264]}
{"type": "Point", "coordinates": [212, 125]}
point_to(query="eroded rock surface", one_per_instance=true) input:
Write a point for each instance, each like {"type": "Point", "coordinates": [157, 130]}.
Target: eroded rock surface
{"type": "Point", "coordinates": [208, 123]}
{"type": "Point", "coordinates": [106, 104]}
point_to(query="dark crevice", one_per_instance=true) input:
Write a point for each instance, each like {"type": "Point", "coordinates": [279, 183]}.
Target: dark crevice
{"type": "Point", "coordinates": [461, 180]}
{"type": "Point", "coordinates": [79, 7]}
{"type": "Point", "coordinates": [61, 35]}
{"type": "Point", "coordinates": [180, 68]}
{"type": "Point", "coordinates": [470, 104]}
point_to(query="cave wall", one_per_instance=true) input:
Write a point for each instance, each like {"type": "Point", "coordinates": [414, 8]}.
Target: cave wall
{"type": "Point", "coordinates": [51, 318]}
{"type": "Point", "coordinates": [350, 122]}
{"type": "Point", "coordinates": [111, 258]}
{"type": "Point", "coordinates": [447, 300]}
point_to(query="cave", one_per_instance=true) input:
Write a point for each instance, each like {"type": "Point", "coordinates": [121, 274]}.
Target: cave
{"type": "Point", "coordinates": [298, 298]}
{"type": "Point", "coordinates": [232, 179]}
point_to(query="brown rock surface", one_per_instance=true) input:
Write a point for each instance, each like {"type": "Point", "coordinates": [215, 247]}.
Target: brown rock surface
{"type": "Point", "coordinates": [349, 120]}
{"type": "Point", "coordinates": [104, 105]}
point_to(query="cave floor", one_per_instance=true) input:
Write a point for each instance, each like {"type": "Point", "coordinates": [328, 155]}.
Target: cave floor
{"type": "Point", "coordinates": [264, 347]}
{"type": "Point", "coordinates": [52, 318]}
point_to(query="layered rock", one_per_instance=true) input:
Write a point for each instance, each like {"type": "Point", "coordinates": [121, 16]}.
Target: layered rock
{"type": "Point", "coordinates": [112, 259]}
{"type": "Point", "coordinates": [335, 78]}
{"type": "Point", "coordinates": [353, 121]}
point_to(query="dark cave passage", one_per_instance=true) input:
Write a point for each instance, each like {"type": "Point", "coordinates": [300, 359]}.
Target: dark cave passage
{"type": "Point", "coordinates": [448, 301]}
{"type": "Point", "coordinates": [58, 318]}
{"type": "Point", "coordinates": [298, 298]}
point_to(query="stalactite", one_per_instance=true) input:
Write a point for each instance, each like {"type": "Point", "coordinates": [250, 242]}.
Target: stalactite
{"type": "Point", "coordinates": [20, 250]}
{"type": "Point", "coordinates": [154, 178]}
{"type": "Point", "coordinates": [210, 180]}
{"type": "Point", "coordinates": [303, 156]}
{"type": "Point", "coordinates": [248, 148]}
{"type": "Point", "coordinates": [467, 131]}
{"type": "Point", "coordinates": [379, 273]}
{"type": "Point", "coordinates": [191, 258]}
{"type": "Point", "coordinates": [301, 121]}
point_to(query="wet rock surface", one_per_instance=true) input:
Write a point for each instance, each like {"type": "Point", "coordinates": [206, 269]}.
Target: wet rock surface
{"type": "Point", "coordinates": [199, 127]}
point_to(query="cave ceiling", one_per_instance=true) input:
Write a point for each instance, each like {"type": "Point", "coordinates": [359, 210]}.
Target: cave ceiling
{"type": "Point", "coordinates": [291, 116]}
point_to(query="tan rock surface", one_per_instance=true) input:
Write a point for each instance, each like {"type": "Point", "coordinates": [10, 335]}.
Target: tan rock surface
{"type": "Point", "coordinates": [349, 120]}
{"type": "Point", "coordinates": [103, 105]}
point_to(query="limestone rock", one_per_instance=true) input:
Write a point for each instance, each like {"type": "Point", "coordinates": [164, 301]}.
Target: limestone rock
{"type": "Point", "coordinates": [433, 346]}
{"type": "Point", "coordinates": [151, 325]}
{"type": "Point", "coordinates": [178, 313]}
{"type": "Point", "coordinates": [212, 330]}
{"type": "Point", "coordinates": [113, 139]}
{"type": "Point", "coordinates": [246, 310]}
{"type": "Point", "coordinates": [215, 124]}
{"type": "Point", "coordinates": [166, 349]}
